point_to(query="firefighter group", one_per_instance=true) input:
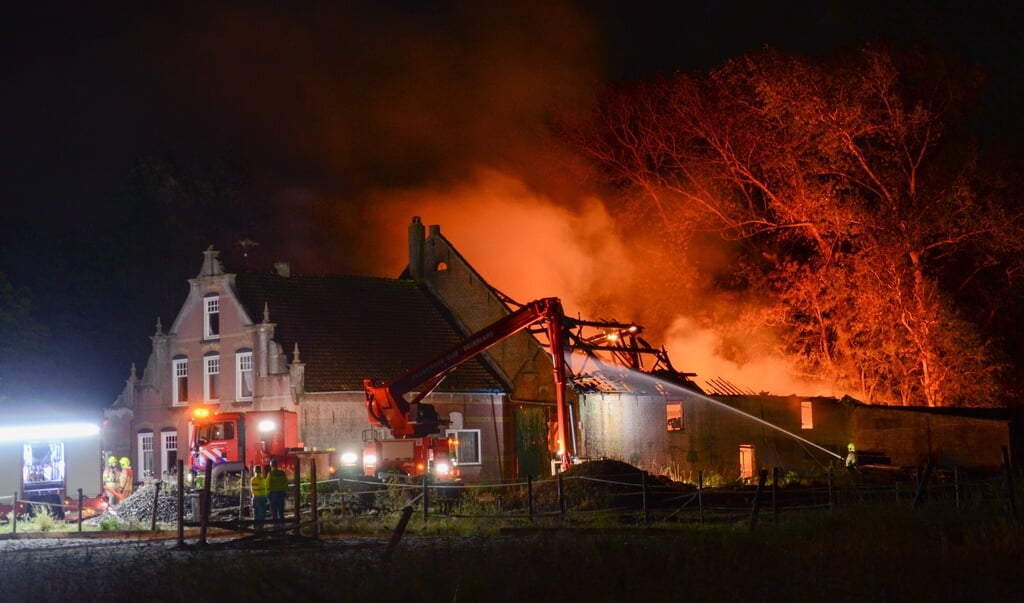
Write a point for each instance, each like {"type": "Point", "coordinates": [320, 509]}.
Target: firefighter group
{"type": "Point", "coordinates": [117, 479]}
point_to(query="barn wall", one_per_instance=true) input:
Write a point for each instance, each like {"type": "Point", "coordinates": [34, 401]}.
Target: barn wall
{"type": "Point", "coordinates": [909, 437]}
{"type": "Point", "coordinates": [626, 427]}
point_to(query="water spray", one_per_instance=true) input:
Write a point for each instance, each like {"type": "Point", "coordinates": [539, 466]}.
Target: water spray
{"type": "Point", "coordinates": [674, 389]}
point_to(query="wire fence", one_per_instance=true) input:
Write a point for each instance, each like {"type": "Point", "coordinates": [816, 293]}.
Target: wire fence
{"type": "Point", "coordinates": [625, 499]}
{"type": "Point", "coordinates": [638, 498]}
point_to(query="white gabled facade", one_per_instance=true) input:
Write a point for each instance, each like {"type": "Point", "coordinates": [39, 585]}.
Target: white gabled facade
{"type": "Point", "coordinates": [214, 355]}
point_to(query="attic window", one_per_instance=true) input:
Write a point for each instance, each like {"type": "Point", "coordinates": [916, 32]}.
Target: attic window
{"type": "Point", "coordinates": [441, 267]}
{"type": "Point", "coordinates": [211, 317]}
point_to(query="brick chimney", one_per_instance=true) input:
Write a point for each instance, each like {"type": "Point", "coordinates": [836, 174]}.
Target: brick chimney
{"type": "Point", "coordinates": [416, 249]}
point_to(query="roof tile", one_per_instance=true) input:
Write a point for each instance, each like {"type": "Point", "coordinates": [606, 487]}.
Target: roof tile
{"type": "Point", "coordinates": [349, 328]}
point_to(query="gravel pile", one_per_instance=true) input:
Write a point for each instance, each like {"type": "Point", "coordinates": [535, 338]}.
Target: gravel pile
{"type": "Point", "coordinates": [138, 507]}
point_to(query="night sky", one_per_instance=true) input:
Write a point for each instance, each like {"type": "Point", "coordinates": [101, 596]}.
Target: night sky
{"type": "Point", "coordinates": [317, 132]}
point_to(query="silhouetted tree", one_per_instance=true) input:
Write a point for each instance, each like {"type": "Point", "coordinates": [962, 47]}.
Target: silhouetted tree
{"type": "Point", "coordinates": [860, 213]}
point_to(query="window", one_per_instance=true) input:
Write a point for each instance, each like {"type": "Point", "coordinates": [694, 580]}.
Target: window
{"type": "Point", "coordinates": [145, 466]}
{"type": "Point", "coordinates": [467, 447]}
{"type": "Point", "coordinates": [674, 410]}
{"type": "Point", "coordinates": [243, 375]}
{"type": "Point", "coordinates": [169, 452]}
{"type": "Point", "coordinates": [806, 415]}
{"type": "Point", "coordinates": [746, 461]}
{"type": "Point", "coordinates": [179, 382]}
{"type": "Point", "coordinates": [212, 383]}
{"type": "Point", "coordinates": [42, 466]}
{"type": "Point", "coordinates": [216, 432]}
{"type": "Point", "coordinates": [211, 317]}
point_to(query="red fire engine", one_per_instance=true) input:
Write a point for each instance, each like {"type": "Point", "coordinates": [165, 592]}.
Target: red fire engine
{"type": "Point", "coordinates": [234, 441]}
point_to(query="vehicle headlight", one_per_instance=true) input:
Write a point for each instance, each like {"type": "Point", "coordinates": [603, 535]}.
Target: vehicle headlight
{"type": "Point", "coordinates": [441, 468]}
{"type": "Point", "coordinates": [349, 458]}
{"type": "Point", "coordinates": [369, 459]}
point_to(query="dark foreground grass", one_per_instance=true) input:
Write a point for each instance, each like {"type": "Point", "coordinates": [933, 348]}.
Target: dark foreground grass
{"type": "Point", "coordinates": [858, 556]}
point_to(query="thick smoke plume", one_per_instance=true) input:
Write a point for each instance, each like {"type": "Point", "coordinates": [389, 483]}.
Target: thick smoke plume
{"type": "Point", "coordinates": [441, 112]}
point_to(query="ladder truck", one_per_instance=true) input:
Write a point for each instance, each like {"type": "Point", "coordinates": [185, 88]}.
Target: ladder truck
{"type": "Point", "coordinates": [417, 446]}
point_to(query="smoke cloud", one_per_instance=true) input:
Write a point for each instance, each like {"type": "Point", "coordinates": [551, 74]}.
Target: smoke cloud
{"type": "Point", "coordinates": [441, 111]}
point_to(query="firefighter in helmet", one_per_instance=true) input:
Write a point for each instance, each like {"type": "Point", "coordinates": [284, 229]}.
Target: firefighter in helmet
{"type": "Point", "coordinates": [111, 473]}
{"type": "Point", "coordinates": [851, 457]}
{"type": "Point", "coordinates": [126, 479]}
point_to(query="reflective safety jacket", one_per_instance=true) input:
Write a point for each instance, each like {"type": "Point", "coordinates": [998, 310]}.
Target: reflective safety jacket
{"type": "Point", "coordinates": [258, 485]}
{"type": "Point", "coordinates": [110, 477]}
{"type": "Point", "coordinates": [277, 481]}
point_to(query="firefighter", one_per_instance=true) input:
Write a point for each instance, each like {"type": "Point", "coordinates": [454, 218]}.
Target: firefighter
{"type": "Point", "coordinates": [277, 489]}
{"type": "Point", "coordinates": [258, 487]}
{"type": "Point", "coordinates": [126, 478]}
{"type": "Point", "coordinates": [111, 473]}
{"type": "Point", "coordinates": [851, 457]}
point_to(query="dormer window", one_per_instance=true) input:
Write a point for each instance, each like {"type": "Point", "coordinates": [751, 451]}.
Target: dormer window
{"type": "Point", "coordinates": [211, 317]}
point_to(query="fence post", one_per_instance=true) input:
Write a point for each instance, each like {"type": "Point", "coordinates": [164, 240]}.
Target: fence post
{"type": "Point", "coordinates": [312, 498]}
{"type": "Point", "coordinates": [561, 497]}
{"type": "Point", "coordinates": [775, 494]}
{"type": "Point", "coordinates": [529, 495]}
{"type": "Point", "coordinates": [831, 504]}
{"type": "Point", "coordinates": [426, 495]}
{"type": "Point", "coordinates": [643, 494]}
{"type": "Point", "coordinates": [156, 499]}
{"type": "Point", "coordinates": [700, 497]}
{"type": "Point", "coordinates": [396, 536]}
{"type": "Point", "coordinates": [1009, 483]}
{"type": "Point", "coordinates": [922, 482]}
{"type": "Point", "coordinates": [204, 502]}
{"type": "Point", "coordinates": [81, 511]}
{"type": "Point", "coordinates": [298, 495]}
{"type": "Point", "coordinates": [956, 486]}
{"type": "Point", "coordinates": [762, 477]}
{"type": "Point", "coordinates": [181, 503]}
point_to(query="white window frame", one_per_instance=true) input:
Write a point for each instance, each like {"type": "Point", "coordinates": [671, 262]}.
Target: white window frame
{"type": "Point", "coordinates": [457, 434]}
{"type": "Point", "coordinates": [168, 444]}
{"type": "Point", "coordinates": [211, 317]}
{"type": "Point", "coordinates": [243, 374]}
{"type": "Point", "coordinates": [211, 376]}
{"type": "Point", "coordinates": [806, 414]}
{"type": "Point", "coordinates": [145, 461]}
{"type": "Point", "coordinates": [179, 372]}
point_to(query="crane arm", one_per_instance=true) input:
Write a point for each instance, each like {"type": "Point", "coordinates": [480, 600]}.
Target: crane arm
{"type": "Point", "coordinates": [386, 405]}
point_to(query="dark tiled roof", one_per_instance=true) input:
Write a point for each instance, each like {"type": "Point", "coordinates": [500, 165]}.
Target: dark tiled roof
{"type": "Point", "coordinates": [350, 328]}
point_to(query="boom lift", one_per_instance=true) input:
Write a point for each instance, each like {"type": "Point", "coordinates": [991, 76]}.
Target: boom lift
{"type": "Point", "coordinates": [414, 422]}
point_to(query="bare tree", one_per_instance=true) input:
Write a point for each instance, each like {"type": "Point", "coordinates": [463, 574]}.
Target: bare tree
{"type": "Point", "coordinates": [860, 216]}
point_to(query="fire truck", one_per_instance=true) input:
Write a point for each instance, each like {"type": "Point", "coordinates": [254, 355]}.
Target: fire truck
{"type": "Point", "coordinates": [233, 441]}
{"type": "Point", "coordinates": [417, 446]}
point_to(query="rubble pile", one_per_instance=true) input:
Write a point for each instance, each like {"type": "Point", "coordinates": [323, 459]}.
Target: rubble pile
{"type": "Point", "coordinates": [138, 507]}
